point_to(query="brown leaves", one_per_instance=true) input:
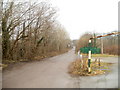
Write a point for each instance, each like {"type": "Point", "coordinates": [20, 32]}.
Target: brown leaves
{"type": "Point", "coordinates": [76, 69]}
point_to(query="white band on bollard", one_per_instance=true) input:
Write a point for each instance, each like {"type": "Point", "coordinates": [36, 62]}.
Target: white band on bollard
{"type": "Point", "coordinates": [89, 56]}
{"type": "Point", "coordinates": [89, 41]}
{"type": "Point", "coordinates": [89, 69]}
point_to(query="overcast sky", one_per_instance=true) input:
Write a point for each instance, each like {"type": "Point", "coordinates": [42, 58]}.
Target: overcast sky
{"type": "Point", "coordinates": [79, 16]}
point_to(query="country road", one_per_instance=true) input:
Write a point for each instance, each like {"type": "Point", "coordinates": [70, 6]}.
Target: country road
{"type": "Point", "coordinates": [53, 73]}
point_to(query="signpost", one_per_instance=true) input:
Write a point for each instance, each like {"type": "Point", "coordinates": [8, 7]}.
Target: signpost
{"type": "Point", "coordinates": [89, 52]}
{"type": "Point", "coordinates": [89, 57]}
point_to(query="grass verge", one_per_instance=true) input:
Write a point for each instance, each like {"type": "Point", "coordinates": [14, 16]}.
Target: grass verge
{"type": "Point", "coordinates": [103, 55]}
{"type": "Point", "coordinates": [10, 63]}
{"type": "Point", "coordinates": [78, 69]}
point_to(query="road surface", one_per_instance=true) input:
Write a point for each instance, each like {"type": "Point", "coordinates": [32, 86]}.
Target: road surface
{"type": "Point", "coordinates": [53, 73]}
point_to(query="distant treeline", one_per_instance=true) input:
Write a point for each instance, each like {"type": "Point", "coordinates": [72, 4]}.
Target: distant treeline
{"type": "Point", "coordinates": [109, 44]}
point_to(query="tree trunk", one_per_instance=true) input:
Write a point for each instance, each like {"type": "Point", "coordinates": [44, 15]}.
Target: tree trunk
{"type": "Point", "coordinates": [5, 39]}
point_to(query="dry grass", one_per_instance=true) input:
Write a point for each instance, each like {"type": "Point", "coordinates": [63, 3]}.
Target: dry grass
{"type": "Point", "coordinates": [102, 55]}
{"type": "Point", "coordinates": [50, 54]}
{"type": "Point", "coordinates": [8, 63]}
{"type": "Point", "coordinates": [78, 69]}
{"type": "Point", "coordinates": [3, 65]}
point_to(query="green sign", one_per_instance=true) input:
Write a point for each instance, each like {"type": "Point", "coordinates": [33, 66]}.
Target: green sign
{"type": "Point", "coordinates": [94, 50]}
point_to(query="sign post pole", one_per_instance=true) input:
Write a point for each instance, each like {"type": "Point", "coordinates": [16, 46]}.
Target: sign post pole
{"type": "Point", "coordinates": [89, 57]}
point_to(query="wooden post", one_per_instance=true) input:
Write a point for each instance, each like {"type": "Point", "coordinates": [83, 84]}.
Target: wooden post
{"type": "Point", "coordinates": [99, 61]}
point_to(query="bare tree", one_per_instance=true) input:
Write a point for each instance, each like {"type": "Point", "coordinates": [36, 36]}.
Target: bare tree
{"type": "Point", "coordinates": [83, 41]}
{"type": "Point", "coordinates": [29, 30]}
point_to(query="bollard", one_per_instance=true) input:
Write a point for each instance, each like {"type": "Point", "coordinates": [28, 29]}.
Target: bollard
{"type": "Point", "coordinates": [78, 54]}
{"type": "Point", "coordinates": [99, 62]}
{"type": "Point", "coordinates": [81, 60]}
{"type": "Point", "coordinates": [89, 61]}
{"type": "Point", "coordinates": [89, 57]}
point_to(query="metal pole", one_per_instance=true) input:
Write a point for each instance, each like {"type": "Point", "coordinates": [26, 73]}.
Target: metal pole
{"type": "Point", "coordinates": [94, 40]}
{"type": "Point", "coordinates": [89, 58]}
{"type": "Point", "coordinates": [101, 45]}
